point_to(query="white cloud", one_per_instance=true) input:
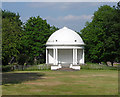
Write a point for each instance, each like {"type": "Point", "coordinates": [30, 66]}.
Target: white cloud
{"type": "Point", "coordinates": [70, 18]}
{"type": "Point", "coordinates": [71, 21]}
{"type": "Point", "coordinates": [75, 18]}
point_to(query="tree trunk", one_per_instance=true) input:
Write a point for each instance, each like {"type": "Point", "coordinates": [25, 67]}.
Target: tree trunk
{"type": "Point", "coordinates": [106, 63]}
{"type": "Point", "coordinates": [11, 60]}
{"type": "Point", "coordinates": [35, 60]}
{"type": "Point", "coordinates": [22, 67]}
{"type": "Point", "coordinates": [112, 63]}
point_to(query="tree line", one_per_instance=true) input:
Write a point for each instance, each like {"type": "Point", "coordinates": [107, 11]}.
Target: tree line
{"type": "Point", "coordinates": [24, 43]}
{"type": "Point", "coordinates": [102, 35]}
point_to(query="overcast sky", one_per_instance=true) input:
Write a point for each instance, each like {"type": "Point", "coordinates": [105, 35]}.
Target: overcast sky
{"type": "Point", "coordinates": [72, 15]}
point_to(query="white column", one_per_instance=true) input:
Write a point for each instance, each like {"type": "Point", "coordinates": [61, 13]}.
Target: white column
{"type": "Point", "coordinates": [46, 56]}
{"type": "Point", "coordinates": [76, 56]}
{"type": "Point", "coordinates": [73, 56]}
{"type": "Point", "coordinates": [83, 57]}
{"type": "Point", "coordinates": [56, 56]}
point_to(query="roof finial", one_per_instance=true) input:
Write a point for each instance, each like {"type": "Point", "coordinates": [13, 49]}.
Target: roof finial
{"type": "Point", "coordinates": [65, 27]}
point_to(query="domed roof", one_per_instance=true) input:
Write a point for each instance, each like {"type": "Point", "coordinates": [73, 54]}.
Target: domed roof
{"type": "Point", "coordinates": [65, 36]}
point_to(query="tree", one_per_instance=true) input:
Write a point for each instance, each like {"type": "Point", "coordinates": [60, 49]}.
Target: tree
{"type": "Point", "coordinates": [36, 33]}
{"type": "Point", "coordinates": [116, 29]}
{"type": "Point", "coordinates": [101, 36]}
{"type": "Point", "coordinates": [11, 36]}
{"type": "Point", "coordinates": [0, 37]}
{"type": "Point", "coordinates": [22, 59]}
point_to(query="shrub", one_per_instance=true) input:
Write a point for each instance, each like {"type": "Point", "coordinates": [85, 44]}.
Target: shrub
{"type": "Point", "coordinates": [93, 66]}
{"type": "Point", "coordinates": [38, 67]}
{"type": "Point", "coordinates": [7, 68]}
{"type": "Point", "coordinates": [22, 58]}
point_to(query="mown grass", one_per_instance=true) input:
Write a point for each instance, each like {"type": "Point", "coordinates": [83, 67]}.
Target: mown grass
{"type": "Point", "coordinates": [83, 82]}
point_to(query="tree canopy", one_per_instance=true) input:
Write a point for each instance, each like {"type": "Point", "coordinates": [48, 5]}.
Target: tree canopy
{"type": "Point", "coordinates": [36, 33]}
{"type": "Point", "coordinates": [24, 43]}
{"type": "Point", "coordinates": [102, 35]}
{"type": "Point", "coordinates": [11, 36]}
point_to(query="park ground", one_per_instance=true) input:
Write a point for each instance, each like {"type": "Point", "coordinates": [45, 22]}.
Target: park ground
{"type": "Point", "coordinates": [47, 82]}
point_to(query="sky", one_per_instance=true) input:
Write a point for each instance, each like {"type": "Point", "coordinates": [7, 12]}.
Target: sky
{"type": "Point", "coordinates": [73, 15]}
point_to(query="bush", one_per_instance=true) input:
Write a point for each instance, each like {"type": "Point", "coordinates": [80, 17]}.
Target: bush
{"type": "Point", "coordinates": [93, 66]}
{"type": "Point", "coordinates": [22, 58]}
{"type": "Point", "coordinates": [7, 68]}
{"type": "Point", "coordinates": [38, 67]}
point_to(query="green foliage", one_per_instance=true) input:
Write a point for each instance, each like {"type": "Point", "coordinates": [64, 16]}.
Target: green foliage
{"type": "Point", "coordinates": [102, 35]}
{"type": "Point", "coordinates": [38, 67]}
{"type": "Point", "coordinates": [0, 36]}
{"type": "Point", "coordinates": [6, 68]}
{"type": "Point", "coordinates": [11, 36]}
{"type": "Point", "coordinates": [36, 33]}
{"type": "Point", "coordinates": [24, 43]}
{"type": "Point", "coordinates": [22, 58]}
{"type": "Point", "coordinates": [92, 66]}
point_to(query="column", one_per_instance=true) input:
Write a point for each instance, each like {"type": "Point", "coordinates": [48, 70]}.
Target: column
{"type": "Point", "coordinates": [54, 56]}
{"type": "Point", "coordinates": [76, 56]}
{"type": "Point", "coordinates": [83, 57]}
{"type": "Point", "coordinates": [73, 56]}
{"type": "Point", "coordinates": [46, 56]}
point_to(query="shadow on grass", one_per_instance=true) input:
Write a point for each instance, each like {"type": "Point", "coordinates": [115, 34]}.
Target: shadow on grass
{"type": "Point", "coordinates": [15, 78]}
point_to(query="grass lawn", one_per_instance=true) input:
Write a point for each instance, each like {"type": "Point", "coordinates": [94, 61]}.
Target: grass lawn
{"type": "Point", "coordinates": [83, 82]}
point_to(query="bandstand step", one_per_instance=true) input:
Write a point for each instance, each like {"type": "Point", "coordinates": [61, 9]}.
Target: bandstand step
{"type": "Point", "coordinates": [66, 69]}
{"type": "Point", "coordinates": [65, 66]}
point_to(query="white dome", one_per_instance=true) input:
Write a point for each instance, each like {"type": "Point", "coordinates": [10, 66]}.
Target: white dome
{"type": "Point", "coordinates": [65, 36]}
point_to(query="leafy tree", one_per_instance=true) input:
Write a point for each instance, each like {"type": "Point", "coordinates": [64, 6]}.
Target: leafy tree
{"type": "Point", "coordinates": [116, 29]}
{"type": "Point", "coordinates": [36, 33]}
{"type": "Point", "coordinates": [22, 59]}
{"type": "Point", "coordinates": [11, 36]}
{"type": "Point", "coordinates": [0, 36]}
{"type": "Point", "coordinates": [102, 35]}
